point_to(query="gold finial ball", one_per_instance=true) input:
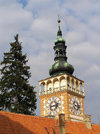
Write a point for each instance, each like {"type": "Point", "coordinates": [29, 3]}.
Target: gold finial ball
{"type": "Point", "coordinates": [59, 21]}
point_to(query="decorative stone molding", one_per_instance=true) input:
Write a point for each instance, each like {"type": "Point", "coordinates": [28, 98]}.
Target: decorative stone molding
{"type": "Point", "coordinates": [87, 121]}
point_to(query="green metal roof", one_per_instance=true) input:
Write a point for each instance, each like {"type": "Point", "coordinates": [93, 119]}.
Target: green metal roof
{"type": "Point", "coordinates": [59, 38]}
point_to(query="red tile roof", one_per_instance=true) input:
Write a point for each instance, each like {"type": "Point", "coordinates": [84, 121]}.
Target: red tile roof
{"type": "Point", "coordinates": [11, 123]}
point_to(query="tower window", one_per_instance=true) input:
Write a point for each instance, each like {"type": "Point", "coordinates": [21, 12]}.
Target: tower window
{"type": "Point", "coordinates": [64, 53]}
{"type": "Point", "coordinates": [42, 87]}
{"type": "Point", "coordinates": [72, 82]}
{"type": "Point", "coordinates": [61, 52]}
{"type": "Point", "coordinates": [81, 86]}
{"type": "Point", "coordinates": [56, 52]}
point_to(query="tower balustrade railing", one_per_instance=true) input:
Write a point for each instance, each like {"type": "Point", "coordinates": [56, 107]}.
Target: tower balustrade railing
{"type": "Point", "coordinates": [75, 90]}
{"type": "Point", "coordinates": [57, 89]}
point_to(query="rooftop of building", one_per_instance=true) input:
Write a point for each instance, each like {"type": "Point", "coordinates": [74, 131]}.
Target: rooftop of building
{"type": "Point", "coordinates": [12, 123]}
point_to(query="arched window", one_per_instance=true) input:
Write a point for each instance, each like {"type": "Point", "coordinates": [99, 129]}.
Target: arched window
{"type": "Point", "coordinates": [72, 83]}
{"type": "Point", "coordinates": [68, 81]}
{"type": "Point", "coordinates": [42, 87]}
{"type": "Point", "coordinates": [76, 84]}
{"type": "Point", "coordinates": [56, 52]}
{"type": "Point", "coordinates": [80, 86]}
{"type": "Point", "coordinates": [61, 52]}
{"type": "Point", "coordinates": [62, 82]}
{"type": "Point", "coordinates": [49, 85]}
{"type": "Point", "coordinates": [56, 84]}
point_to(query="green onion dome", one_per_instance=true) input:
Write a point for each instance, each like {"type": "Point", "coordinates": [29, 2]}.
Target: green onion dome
{"type": "Point", "coordinates": [60, 67]}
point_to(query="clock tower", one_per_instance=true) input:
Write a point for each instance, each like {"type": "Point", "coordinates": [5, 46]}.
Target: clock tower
{"type": "Point", "coordinates": [62, 92]}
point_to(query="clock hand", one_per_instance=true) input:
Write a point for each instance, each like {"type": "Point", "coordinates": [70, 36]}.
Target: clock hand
{"type": "Point", "coordinates": [76, 106]}
{"type": "Point", "coordinates": [79, 106]}
{"type": "Point", "coordinates": [52, 106]}
{"type": "Point", "coordinates": [56, 105]}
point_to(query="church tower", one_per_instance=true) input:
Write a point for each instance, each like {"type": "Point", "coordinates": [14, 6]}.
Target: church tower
{"type": "Point", "coordinates": [62, 92]}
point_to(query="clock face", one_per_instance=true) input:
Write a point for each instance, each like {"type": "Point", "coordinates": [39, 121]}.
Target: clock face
{"type": "Point", "coordinates": [53, 106]}
{"type": "Point", "coordinates": [75, 106]}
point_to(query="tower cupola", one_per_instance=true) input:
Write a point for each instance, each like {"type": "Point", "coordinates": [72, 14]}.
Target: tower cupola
{"type": "Point", "coordinates": [61, 65]}
{"type": "Point", "coordinates": [62, 93]}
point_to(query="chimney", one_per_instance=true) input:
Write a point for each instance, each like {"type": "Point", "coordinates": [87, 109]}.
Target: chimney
{"type": "Point", "coordinates": [62, 124]}
{"type": "Point", "coordinates": [87, 121]}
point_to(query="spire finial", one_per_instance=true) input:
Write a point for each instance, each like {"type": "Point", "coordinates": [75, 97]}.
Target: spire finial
{"type": "Point", "coordinates": [59, 31]}
{"type": "Point", "coordinates": [59, 20]}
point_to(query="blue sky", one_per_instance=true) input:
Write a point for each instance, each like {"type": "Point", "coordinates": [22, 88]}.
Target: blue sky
{"type": "Point", "coordinates": [23, 2]}
{"type": "Point", "coordinates": [36, 23]}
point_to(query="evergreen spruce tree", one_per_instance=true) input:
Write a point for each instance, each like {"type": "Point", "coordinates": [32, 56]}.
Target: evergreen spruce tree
{"type": "Point", "coordinates": [16, 94]}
